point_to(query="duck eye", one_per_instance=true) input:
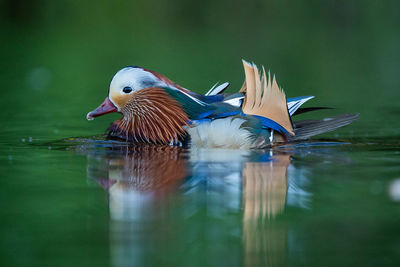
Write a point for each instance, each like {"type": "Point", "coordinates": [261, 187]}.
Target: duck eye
{"type": "Point", "coordinates": [127, 89]}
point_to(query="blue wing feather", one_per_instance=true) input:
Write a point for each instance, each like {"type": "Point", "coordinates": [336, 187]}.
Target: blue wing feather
{"type": "Point", "coordinates": [268, 123]}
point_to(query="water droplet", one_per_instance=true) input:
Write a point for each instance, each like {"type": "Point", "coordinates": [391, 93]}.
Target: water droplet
{"type": "Point", "coordinates": [49, 147]}
{"type": "Point", "coordinates": [394, 190]}
{"type": "Point", "coordinates": [10, 157]}
{"type": "Point", "coordinates": [30, 139]}
{"type": "Point", "coordinates": [23, 140]}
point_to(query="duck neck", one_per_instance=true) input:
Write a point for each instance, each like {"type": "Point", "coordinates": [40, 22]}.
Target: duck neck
{"type": "Point", "coordinates": [151, 116]}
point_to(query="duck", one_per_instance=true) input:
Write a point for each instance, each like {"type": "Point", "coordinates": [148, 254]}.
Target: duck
{"type": "Point", "coordinates": [155, 110]}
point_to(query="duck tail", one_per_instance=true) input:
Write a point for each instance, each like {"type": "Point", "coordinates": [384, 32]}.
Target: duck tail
{"type": "Point", "coordinates": [307, 128]}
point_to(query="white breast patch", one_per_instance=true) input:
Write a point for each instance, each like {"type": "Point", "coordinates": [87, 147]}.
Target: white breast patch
{"type": "Point", "coordinates": [221, 133]}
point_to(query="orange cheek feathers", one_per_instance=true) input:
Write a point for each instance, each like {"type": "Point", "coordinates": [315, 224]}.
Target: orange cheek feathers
{"type": "Point", "coordinates": [120, 100]}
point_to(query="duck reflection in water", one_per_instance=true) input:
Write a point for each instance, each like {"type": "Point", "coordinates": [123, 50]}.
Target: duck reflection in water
{"type": "Point", "coordinates": [170, 199]}
{"type": "Point", "coordinates": [137, 178]}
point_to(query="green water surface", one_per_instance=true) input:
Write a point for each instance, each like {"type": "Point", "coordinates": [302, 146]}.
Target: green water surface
{"type": "Point", "coordinates": [70, 198]}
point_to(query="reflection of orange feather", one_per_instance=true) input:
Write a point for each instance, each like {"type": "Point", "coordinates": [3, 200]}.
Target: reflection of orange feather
{"type": "Point", "coordinates": [151, 116]}
{"type": "Point", "coordinates": [264, 197]}
{"type": "Point", "coordinates": [265, 187]}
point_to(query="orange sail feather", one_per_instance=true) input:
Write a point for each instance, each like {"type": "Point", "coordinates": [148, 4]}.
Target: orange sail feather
{"type": "Point", "coordinates": [264, 97]}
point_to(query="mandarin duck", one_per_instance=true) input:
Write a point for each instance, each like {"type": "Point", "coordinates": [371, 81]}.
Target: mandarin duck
{"type": "Point", "coordinates": [158, 111]}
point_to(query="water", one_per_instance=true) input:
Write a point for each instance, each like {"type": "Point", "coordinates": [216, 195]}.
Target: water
{"type": "Point", "coordinates": [68, 197]}
{"type": "Point", "coordinates": [89, 202]}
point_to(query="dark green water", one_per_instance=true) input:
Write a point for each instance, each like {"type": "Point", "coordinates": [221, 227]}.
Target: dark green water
{"type": "Point", "coordinates": [70, 199]}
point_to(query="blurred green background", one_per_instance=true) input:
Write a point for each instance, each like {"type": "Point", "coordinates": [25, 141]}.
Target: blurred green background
{"type": "Point", "coordinates": [58, 57]}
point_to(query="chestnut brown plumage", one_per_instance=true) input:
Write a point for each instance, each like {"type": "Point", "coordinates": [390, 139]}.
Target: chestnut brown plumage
{"type": "Point", "coordinates": [166, 80]}
{"type": "Point", "coordinates": [151, 116]}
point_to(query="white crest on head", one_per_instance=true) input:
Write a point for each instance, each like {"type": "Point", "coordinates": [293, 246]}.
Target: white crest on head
{"type": "Point", "coordinates": [135, 78]}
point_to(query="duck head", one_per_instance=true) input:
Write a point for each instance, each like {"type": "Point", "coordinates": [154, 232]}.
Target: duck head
{"type": "Point", "coordinates": [149, 114]}
{"type": "Point", "coordinates": [126, 82]}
